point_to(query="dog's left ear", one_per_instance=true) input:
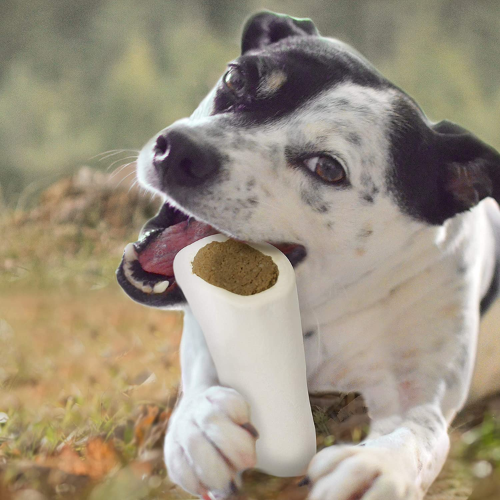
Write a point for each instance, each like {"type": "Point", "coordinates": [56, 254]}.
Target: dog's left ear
{"type": "Point", "coordinates": [268, 27]}
{"type": "Point", "coordinates": [471, 168]}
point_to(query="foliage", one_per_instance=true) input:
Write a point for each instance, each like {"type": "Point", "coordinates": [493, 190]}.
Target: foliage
{"type": "Point", "coordinates": [80, 78]}
{"type": "Point", "coordinates": [482, 443]}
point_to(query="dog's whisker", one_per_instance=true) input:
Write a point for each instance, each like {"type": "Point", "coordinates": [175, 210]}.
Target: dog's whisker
{"type": "Point", "coordinates": [111, 151]}
{"type": "Point", "coordinates": [115, 151]}
{"type": "Point", "coordinates": [136, 181]}
{"type": "Point", "coordinates": [107, 154]}
{"type": "Point", "coordinates": [120, 169]}
{"type": "Point", "coordinates": [121, 159]}
{"type": "Point", "coordinates": [126, 177]}
{"type": "Point", "coordinates": [153, 196]}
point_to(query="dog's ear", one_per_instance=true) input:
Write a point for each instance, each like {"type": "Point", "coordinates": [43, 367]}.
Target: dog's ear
{"type": "Point", "coordinates": [470, 168]}
{"type": "Point", "coordinates": [268, 27]}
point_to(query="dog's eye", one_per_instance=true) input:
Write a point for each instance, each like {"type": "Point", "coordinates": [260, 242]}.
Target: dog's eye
{"type": "Point", "coordinates": [328, 168]}
{"type": "Point", "coordinates": [235, 81]}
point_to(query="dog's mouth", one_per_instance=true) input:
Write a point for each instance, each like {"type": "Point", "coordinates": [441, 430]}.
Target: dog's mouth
{"type": "Point", "coordinates": [146, 271]}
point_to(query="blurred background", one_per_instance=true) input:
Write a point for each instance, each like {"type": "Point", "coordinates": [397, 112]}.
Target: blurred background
{"type": "Point", "coordinates": [78, 78]}
{"type": "Point", "coordinates": [88, 379]}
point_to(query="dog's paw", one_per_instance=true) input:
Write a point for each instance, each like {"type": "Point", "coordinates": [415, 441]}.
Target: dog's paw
{"type": "Point", "coordinates": [359, 473]}
{"type": "Point", "coordinates": [209, 440]}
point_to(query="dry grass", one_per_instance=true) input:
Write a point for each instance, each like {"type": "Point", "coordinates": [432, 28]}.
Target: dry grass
{"type": "Point", "coordinates": [82, 359]}
{"type": "Point", "coordinates": [88, 378]}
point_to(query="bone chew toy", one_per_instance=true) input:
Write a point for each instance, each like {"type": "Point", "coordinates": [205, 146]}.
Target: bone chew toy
{"type": "Point", "coordinates": [257, 348]}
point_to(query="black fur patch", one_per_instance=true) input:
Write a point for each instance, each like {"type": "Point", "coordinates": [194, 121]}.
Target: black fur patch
{"type": "Point", "coordinates": [438, 171]}
{"type": "Point", "coordinates": [413, 178]}
{"type": "Point", "coordinates": [365, 233]}
{"type": "Point", "coordinates": [367, 197]}
{"type": "Point", "coordinates": [492, 293]}
{"type": "Point", "coordinates": [250, 183]}
{"type": "Point", "coordinates": [312, 65]}
{"type": "Point", "coordinates": [354, 138]}
{"type": "Point", "coordinates": [267, 27]}
{"type": "Point", "coordinates": [166, 217]}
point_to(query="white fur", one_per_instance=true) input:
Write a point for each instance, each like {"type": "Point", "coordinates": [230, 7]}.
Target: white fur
{"type": "Point", "coordinates": [393, 319]}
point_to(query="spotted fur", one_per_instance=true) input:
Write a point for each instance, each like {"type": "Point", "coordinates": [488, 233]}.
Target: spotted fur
{"type": "Point", "coordinates": [399, 257]}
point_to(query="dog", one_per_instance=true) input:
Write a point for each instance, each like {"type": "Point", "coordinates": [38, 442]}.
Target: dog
{"type": "Point", "coordinates": [390, 222]}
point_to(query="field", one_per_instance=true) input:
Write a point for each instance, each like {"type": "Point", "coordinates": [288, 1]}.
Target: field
{"type": "Point", "coordinates": [88, 379]}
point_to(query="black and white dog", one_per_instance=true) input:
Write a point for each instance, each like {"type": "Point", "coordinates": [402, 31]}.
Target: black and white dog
{"type": "Point", "coordinates": [302, 143]}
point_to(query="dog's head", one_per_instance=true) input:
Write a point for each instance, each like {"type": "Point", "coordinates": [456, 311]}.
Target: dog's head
{"type": "Point", "coordinates": [303, 144]}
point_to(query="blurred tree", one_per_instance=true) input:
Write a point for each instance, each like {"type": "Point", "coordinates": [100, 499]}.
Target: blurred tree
{"type": "Point", "coordinates": [79, 78]}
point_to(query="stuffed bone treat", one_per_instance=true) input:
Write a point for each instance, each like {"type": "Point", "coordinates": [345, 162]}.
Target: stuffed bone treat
{"type": "Point", "coordinates": [245, 300]}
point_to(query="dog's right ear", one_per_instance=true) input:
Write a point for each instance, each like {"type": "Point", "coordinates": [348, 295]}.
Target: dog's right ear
{"type": "Point", "coordinates": [268, 27]}
{"type": "Point", "coordinates": [471, 167]}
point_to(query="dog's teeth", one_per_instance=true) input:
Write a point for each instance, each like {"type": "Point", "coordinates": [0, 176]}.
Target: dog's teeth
{"type": "Point", "coordinates": [161, 286]}
{"type": "Point", "coordinates": [130, 253]}
{"type": "Point", "coordinates": [130, 256]}
{"type": "Point", "coordinates": [147, 234]}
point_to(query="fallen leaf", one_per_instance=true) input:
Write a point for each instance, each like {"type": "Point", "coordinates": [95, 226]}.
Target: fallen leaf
{"type": "Point", "coordinates": [144, 423]}
{"type": "Point", "coordinates": [100, 457]}
{"type": "Point", "coordinates": [66, 460]}
{"type": "Point", "coordinates": [150, 427]}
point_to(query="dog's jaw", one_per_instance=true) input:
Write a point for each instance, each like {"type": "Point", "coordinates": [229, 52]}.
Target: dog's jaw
{"type": "Point", "coordinates": [146, 271]}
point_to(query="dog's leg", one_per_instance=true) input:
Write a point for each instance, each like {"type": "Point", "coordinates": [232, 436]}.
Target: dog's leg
{"type": "Point", "coordinates": [209, 437]}
{"type": "Point", "coordinates": [198, 372]}
{"type": "Point", "coordinates": [408, 441]}
{"type": "Point", "coordinates": [399, 460]}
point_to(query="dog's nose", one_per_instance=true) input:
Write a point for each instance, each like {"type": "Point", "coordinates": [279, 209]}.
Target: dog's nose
{"type": "Point", "coordinates": [181, 159]}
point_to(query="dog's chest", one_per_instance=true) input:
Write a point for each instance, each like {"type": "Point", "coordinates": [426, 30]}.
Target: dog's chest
{"type": "Point", "coordinates": [396, 322]}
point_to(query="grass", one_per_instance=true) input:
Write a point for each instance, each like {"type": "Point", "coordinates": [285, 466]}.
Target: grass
{"type": "Point", "coordinates": [88, 378]}
{"type": "Point", "coordinates": [82, 368]}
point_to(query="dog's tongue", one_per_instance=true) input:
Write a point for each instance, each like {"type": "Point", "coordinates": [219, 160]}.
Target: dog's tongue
{"type": "Point", "coordinates": [158, 256]}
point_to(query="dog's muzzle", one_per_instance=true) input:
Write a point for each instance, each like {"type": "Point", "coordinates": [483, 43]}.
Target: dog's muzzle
{"type": "Point", "coordinates": [181, 160]}
{"type": "Point", "coordinates": [146, 270]}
